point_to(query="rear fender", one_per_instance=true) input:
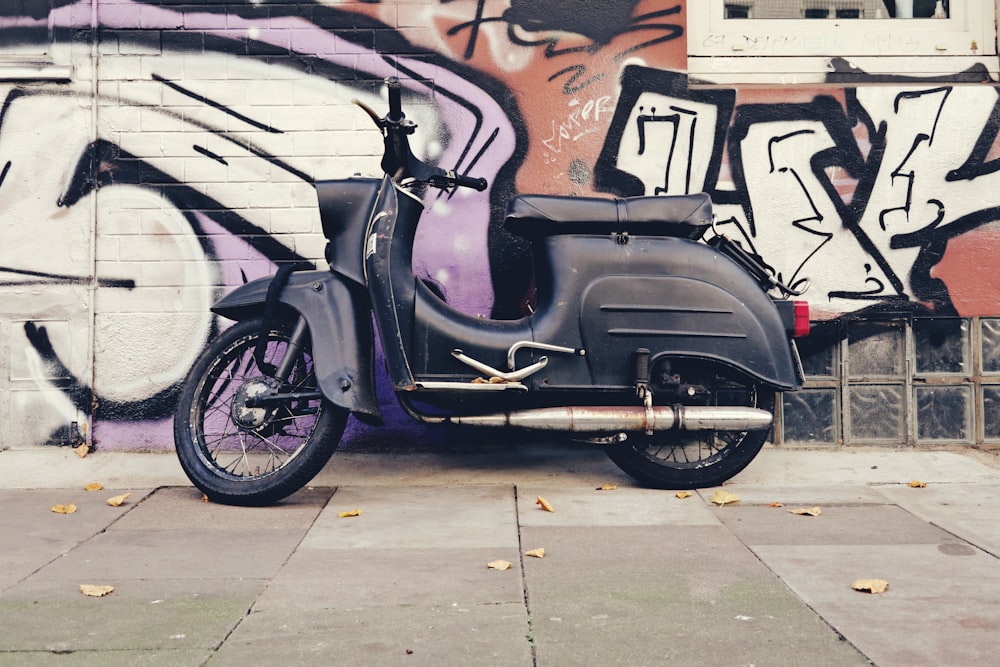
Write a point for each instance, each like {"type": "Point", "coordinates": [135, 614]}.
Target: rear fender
{"type": "Point", "coordinates": [339, 322]}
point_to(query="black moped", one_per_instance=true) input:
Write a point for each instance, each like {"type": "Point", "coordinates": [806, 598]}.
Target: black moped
{"type": "Point", "coordinates": [665, 349]}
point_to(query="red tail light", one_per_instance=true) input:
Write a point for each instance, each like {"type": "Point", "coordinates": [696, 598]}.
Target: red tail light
{"type": "Point", "coordinates": [801, 319]}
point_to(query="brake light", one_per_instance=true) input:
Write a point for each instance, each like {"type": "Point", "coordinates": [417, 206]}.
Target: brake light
{"type": "Point", "coordinates": [801, 319]}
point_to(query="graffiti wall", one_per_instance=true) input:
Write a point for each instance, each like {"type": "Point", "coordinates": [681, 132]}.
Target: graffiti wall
{"type": "Point", "coordinates": [172, 157]}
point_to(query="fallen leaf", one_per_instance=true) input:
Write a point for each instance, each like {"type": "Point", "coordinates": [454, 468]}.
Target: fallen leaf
{"type": "Point", "coordinates": [721, 498]}
{"type": "Point", "coordinates": [536, 553]}
{"type": "Point", "coordinates": [870, 585]}
{"type": "Point", "coordinates": [544, 504]}
{"type": "Point", "coordinates": [204, 498]}
{"type": "Point", "coordinates": [349, 513]}
{"type": "Point", "coordinates": [93, 486]}
{"type": "Point", "coordinates": [776, 505]}
{"type": "Point", "coordinates": [683, 494]}
{"type": "Point", "coordinates": [68, 508]}
{"type": "Point", "coordinates": [116, 501]}
{"type": "Point", "coordinates": [95, 591]}
{"type": "Point", "coordinates": [499, 565]}
{"type": "Point", "coordinates": [807, 511]}
{"type": "Point", "coordinates": [607, 487]}
{"type": "Point", "coordinates": [82, 450]}
{"type": "Point", "coordinates": [917, 484]}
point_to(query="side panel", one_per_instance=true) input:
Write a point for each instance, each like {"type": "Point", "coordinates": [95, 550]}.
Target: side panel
{"type": "Point", "coordinates": [340, 326]}
{"type": "Point", "coordinates": [672, 296]}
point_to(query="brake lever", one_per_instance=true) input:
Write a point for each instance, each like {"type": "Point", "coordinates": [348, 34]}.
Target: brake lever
{"type": "Point", "coordinates": [379, 122]}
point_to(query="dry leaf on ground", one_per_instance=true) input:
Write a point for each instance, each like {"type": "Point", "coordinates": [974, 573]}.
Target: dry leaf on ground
{"type": "Point", "coordinates": [776, 505]}
{"type": "Point", "coordinates": [683, 494]}
{"type": "Point", "coordinates": [721, 498]}
{"type": "Point", "coordinates": [93, 486]}
{"type": "Point", "coordinates": [870, 585]}
{"type": "Point", "coordinates": [544, 504]}
{"type": "Point", "coordinates": [116, 501]}
{"type": "Point", "coordinates": [806, 511]}
{"type": "Point", "coordinates": [68, 508]}
{"type": "Point", "coordinates": [95, 591]}
{"type": "Point", "coordinates": [499, 565]}
{"type": "Point", "coordinates": [82, 450]}
{"type": "Point", "coordinates": [917, 484]}
{"type": "Point", "coordinates": [607, 487]}
{"type": "Point", "coordinates": [536, 553]}
{"type": "Point", "coordinates": [349, 513]}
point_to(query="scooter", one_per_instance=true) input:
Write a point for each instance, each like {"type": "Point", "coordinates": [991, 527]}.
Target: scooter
{"type": "Point", "coordinates": [666, 350]}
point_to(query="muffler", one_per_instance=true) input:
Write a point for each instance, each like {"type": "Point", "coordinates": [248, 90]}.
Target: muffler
{"type": "Point", "coordinates": [610, 419]}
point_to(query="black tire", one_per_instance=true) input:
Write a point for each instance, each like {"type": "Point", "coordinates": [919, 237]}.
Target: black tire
{"type": "Point", "coordinates": [277, 450]}
{"type": "Point", "coordinates": [697, 459]}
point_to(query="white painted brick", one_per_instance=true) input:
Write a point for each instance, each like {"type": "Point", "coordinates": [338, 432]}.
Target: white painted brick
{"type": "Point", "coordinates": [269, 195]}
{"type": "Point", "coordinates": [231, 195]}
{"type": "Point", "coordinates": [120, 68]}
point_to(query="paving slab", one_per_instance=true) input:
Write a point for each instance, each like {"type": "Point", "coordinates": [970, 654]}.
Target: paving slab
{"type": "Point", "coordinates": [182, 508]}
{"type": "Point", "coordinates": [968, 510]}
{"type": "Point", "coordinates": [103, 658]}
{"type": "Point", "coordinates": [429, 577]}
{"type": "Point", "coordinates": [852, 524]}
{"type": "Point", "coordinates": [667, 595]}
{"type": "Point", "coordinates": [478, 635]}
{"type": "Point", "coordinates": [51, 614]}
{"type": "Point", "coordinates": [808, 495]}
{"type": "Point", "coordinates": [417, 517]}
{"type": "Point", "coordinates": [199, 553]}
{"type": "Point", "coordinates": [940, 609]}
{"type": "Point", "coordinates": [34, 535]}
{"type": "Point", "coordinates": [623, 506]}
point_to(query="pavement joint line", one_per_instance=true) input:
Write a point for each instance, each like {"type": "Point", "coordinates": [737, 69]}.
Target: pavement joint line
{"type": "Point", "coordinates": [530, 636]}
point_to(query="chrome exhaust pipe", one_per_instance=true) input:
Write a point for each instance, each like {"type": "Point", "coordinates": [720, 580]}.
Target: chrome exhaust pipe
{"type": "Point", "coordinates": [610, 419]}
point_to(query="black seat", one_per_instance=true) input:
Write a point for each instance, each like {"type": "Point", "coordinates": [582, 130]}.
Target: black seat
{"type": "Point", "coordinates": [538, 216]}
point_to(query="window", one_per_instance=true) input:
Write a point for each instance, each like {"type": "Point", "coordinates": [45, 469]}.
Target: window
{"type": "Point", "coordinates": [841, 41]}
{"type": "Point", "coordinates": [31, 47]}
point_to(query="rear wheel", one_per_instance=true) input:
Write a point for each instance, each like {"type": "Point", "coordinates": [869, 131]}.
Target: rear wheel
{"type": "Point", "coordinates": [243, 451]}
{"type": "Point", "coordinates": [697, 459]}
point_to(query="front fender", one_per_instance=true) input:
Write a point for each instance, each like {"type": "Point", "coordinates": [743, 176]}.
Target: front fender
{"type": "Point", "coordinates": [339, 320]}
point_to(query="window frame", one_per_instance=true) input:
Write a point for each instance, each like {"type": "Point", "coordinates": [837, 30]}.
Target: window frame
{"type": "Point", "coordinates": [837, 51]}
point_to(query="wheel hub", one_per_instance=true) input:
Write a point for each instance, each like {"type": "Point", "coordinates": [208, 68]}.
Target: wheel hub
{"type": "Point", "coordinates": [250, 418]}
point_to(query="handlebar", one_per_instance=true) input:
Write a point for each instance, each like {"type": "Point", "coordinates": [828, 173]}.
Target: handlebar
{"type": "Point", "coordinates": [395, 101]}
{"type": "Point", "coordinates": [398, 161]}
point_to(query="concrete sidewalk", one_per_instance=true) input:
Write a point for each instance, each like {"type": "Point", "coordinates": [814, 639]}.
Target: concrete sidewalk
{"type": "Point", "coordinates": [630, 576]}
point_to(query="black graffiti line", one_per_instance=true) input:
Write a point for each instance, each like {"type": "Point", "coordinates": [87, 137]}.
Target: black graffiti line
{"type": "Point", "coordinates": [475, 158]}
{"type": "Point", "coordinates": [207, 153]}
{"type": "Point", "coordinates": [3, 174]}
{"type": "Point", "coordinates": [56, 278]}
{"type": "Point", "coordinates": [924, 93]}
{"type": "Point", "coordinates": [245, 145]}
{"type": "Point", "coordinates": [774, 141]}
{"type": "Point", "coordinates": [215, 105]}
{"type": "Point", "coordinates": [578, 71]}
{"type": "Point", "coordinates": [818, 216]}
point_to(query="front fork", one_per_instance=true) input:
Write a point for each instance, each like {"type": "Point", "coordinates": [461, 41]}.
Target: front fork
{"type": "Point", "coordinates": [283, 371]}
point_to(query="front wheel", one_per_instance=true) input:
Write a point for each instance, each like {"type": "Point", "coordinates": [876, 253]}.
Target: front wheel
{"type": "Point", "coordinates": [238, 449]}
{"type": "Point", "coordinates": [697, 459]}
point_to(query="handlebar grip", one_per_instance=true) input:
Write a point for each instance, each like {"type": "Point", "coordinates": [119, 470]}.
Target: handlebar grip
{"type": "Point", "coordinates": [395, 101]}
{"type": "Point", "coordinates": [479, 184]}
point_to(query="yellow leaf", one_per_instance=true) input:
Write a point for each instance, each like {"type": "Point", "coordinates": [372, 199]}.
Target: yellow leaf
{"type": "Point", "coordinates": [93, 486]}
{"type": "Point", "coordinates": [204, 498]}
{"type": "Point", "coordinates": [82, 450]}
{"type": "Point", "coordinates": [917, 484]}
{"type": "Point", "coordinates": [118, 500]}
{"type": "Point", "coordinates": [807, 511]}
{"type": "Point", "coordinates": [721, 498]}
{"type": "Point", "coordinates": [69, 508]}
{"type": "Point", "coordinates": [536, 553]}
{"type": "Point", "coordinates": [607, 487]}
{"type": "Point", "coordinates": [349, 513]}
{"type": "Point", "coordinates": [95, 591]}
{"type": "Point", "coordinates": [870, 585]}
{"type": "Point", "coordinates": [776, 505]}
{"type": "Point", "coordinates": [544, 504]}
{"type": "Point", "coordinates": [683, 494]}
{"type": "Point", "coordinates": [499, 565]}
